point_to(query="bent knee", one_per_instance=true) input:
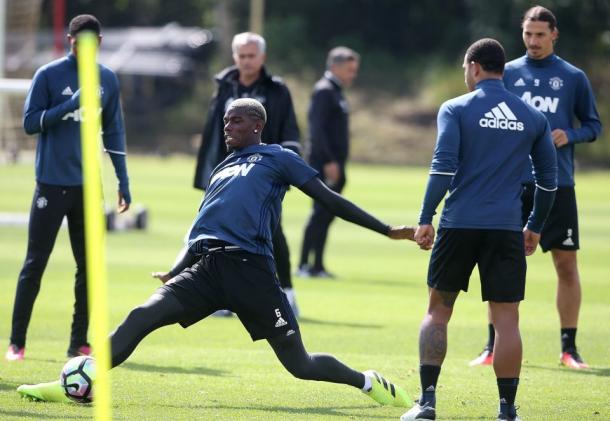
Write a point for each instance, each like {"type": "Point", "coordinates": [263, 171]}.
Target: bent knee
{"type": "Point", "coordinates": [139, 314]}
{"type": "Point", "coordinates": [303, 372]}
{"type": "Point", "coordinates": [304, 369]}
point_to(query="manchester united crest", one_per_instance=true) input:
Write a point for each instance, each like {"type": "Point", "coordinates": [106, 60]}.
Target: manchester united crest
{"type": "Point", "coordinates": [255, 158]}
{"type": "Point", "coordinates": [41, 202]}
{"type": "Point", "coordinates": [555, 83]}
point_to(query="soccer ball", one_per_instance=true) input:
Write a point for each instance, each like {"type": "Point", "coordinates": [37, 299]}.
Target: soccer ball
{"type": "Point", "coordinates": [77, 377]}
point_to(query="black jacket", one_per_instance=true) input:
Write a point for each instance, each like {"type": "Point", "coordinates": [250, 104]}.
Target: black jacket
{"type": "Point", "coordinates": [328, 123]}
{"type": "Point", "coordinates": [281, 124]}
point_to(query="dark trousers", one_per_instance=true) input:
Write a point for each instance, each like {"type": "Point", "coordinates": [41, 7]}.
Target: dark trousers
{"type": "Point", "coordinates": [166, 309]}
{"type": "Point", "coordinates": [49, 206]}
{"type": "Point", "coordinates": [316, 230]}
{"type": "Point", "coordinates": [281, 255]}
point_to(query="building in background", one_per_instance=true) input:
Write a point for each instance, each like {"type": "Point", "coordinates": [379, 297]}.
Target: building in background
{"type": "Point", "coordinates": [158, 68]}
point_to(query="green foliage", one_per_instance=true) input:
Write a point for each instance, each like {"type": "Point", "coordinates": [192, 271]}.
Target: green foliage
{"type": "Point", "coordinates": [409, 48]}
{"type": "Point", "coordinates": [141, 12]}
{"type": "Point", "coordinates": [369, 317]}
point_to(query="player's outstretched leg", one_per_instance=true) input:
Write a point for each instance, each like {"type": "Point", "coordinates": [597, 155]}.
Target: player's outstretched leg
{"type": "Point", "coordinates": [161, 309]}
{"type": "Point", "coordinates": [323, 367]}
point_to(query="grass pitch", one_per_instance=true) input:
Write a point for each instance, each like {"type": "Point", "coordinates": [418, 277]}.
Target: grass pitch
{"type": "Point", "coordinates": [369, 317]}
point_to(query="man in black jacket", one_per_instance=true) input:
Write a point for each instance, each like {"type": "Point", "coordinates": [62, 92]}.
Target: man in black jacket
{"type": "Point", "coordinates": [329, 137]}
{"type": "Point", "coordinates": [249, 78]}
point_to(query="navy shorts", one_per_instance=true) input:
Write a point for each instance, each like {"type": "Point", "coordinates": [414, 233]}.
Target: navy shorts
{"type": "Point", "coordinates": [560, 230]}
{"type": "Point", "coordinates": [236, 280]}
{"type": "Point", "coordinates": [499, 255]}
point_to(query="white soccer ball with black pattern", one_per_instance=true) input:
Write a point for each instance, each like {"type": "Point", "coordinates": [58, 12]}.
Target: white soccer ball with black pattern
{"type": "Point", "coordinates": [77, 378]}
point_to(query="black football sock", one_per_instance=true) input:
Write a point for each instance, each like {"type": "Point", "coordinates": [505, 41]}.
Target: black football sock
{"type": "Point", "coordinates": [507, 389]}
{"type": "Point", "coordinates": [491, 338]}
{"type": "Point", "coordinates": [428, 375]}
{"type": "Point", "coordinates": [568, 339]}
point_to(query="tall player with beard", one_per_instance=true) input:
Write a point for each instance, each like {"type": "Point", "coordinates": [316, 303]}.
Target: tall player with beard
{"type": "Point", "coordinates": [562, 93]}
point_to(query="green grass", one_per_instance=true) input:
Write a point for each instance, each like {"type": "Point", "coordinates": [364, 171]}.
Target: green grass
{"type": "Point", "coordinates": [369, 317]}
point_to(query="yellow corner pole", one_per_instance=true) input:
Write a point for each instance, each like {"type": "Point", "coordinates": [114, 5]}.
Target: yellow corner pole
{"type": "Point", "coordinates": [95, 231]}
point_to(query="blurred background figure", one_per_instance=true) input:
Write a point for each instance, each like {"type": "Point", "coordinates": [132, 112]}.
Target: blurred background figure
{"type": "Point", "coordinates": [563, 93]}
{"type": "Point", "coordinates": [329, 136]}
{"type": "Point", "coordinates": [52, 110]}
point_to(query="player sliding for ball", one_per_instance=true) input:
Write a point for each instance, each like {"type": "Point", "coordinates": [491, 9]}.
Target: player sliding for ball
{"type": "Point", "coordinates": [228, 261]}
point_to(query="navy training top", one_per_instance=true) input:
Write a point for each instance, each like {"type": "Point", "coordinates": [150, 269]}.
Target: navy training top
{"type": "Point", "coordinates": [52, 109]}
{"type": "Point", "coordinates": [242, 204]}
{"type": "Point", "coordinates": [484, 139]}
{"type": "Point", "coordinates": [561, 92]}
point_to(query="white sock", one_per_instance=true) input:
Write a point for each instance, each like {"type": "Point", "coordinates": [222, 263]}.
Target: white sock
{"type": "Point", "coordinates": [368, 384]}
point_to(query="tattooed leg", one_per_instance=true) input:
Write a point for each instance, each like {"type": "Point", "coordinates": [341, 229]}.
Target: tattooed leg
{"type": "Point", "coordinates": [433, 332]}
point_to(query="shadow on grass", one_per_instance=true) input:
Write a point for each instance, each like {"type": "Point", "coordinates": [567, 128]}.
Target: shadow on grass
{"type": "Point", "coordinates": [8, 386]}
{"type": "Point", "coordinates": [35, 415]}
{"type": "Point", "coordinates": [156, 368]}
{"type": "Point", "coordinates": [594, 371]}
{"type": "Point", "coordinates": [174, 370]}
{"type": "Point", "coordinates": [307, 320]}
{"type": "Point", "coordinates": [347, 412]}
{"type": "Point", "coordinates": [338, 411]}
{"type": "Point", "coordinates": [50, 360]}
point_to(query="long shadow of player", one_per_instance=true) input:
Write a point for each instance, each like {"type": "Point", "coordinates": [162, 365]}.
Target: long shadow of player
{"type": "Point", "coordinates": [174, 370]}
{"type": "Point", "coordinates": [593, 371]}
{"type": "Point", "coordinates": [338, 411]}
{"type": "Point", "coordinates": [47, 416]}
{"type": "Point", "coordinates": [8, 386]}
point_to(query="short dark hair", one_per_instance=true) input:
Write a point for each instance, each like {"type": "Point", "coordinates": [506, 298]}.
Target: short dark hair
{"type": "Point", "coordinates": [489, 53]}
{"type": "Point", "coordinates": [340, 55]}
{"type": "Point", "coordinates": [540, 14]}
{"type": "Point", "coordinates": [84, 23]}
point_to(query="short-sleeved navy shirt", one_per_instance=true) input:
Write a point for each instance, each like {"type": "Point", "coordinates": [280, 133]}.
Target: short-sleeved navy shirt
{"type": "Point", "coordinates": [242, 205]}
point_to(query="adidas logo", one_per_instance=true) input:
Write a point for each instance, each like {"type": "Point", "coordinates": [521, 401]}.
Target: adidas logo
{"type": "Point", "coordinates": [520, 82]}
{"type": "Point", "coordinates": [280, 322]}
{"type": "Point", "coordinates": [501, 117]}
{"type": "Point", "coordinates": [67, 91]}
{"type": "Point", "coordinates": [568, 241]}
